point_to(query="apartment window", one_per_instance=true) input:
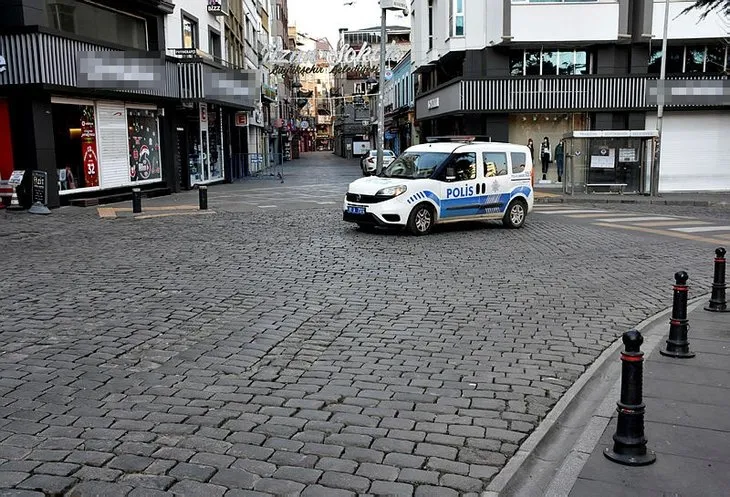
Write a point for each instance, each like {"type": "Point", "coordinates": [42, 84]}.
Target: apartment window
{"type": "Point", "coordinates": [690, 59]}
{"type": "Point", "coordinates": [548, 62]}
{"type": "Point", "coordinates": [278, 11]}
{"type": "Point", "coordinates": [214, 44]}
{"type": "Point", "coordinates": [430, 24]}
{"type": "Point", "coordinates": [97, 22]}
{"type": "Point", "coordinates": [189, 32]}
{"type": "Point", "coordinates": [456, 18]}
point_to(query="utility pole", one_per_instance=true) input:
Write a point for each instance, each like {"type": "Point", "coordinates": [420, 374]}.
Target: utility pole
{"type": "Point", "coordinates": [661, 93]}
{"type": "Point", "coordinates": [381, 93]}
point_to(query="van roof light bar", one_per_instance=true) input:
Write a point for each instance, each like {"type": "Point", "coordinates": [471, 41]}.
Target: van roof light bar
{"type": "Point", "coordinates": [458, 139]}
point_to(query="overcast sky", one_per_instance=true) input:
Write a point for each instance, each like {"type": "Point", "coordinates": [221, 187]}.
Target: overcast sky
{"type": "Point", "coordinates": [323, 18]}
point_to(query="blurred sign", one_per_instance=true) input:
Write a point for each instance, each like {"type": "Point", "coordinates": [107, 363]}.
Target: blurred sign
{"type": "Point", "coordinates": [241, 118]}
{"type": "Point", "coordinates": [121, 70]}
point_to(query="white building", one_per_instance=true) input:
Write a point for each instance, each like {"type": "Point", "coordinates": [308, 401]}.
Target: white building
{"type": "Point", "coordinates": [515, 70]}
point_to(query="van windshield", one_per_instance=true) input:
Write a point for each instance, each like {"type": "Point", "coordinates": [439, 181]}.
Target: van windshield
{"type": "Point", "coordinates": [414, 165]}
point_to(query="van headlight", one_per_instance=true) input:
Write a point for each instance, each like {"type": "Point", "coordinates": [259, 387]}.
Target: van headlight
{"type": "Point", "coordinates": [392, 191]}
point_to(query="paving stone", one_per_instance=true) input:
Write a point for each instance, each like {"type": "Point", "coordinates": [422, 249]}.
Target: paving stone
{"type": "Point", "coordinates": [461, 483]}
{"type": "Point", "coordinates": [22, 493]}
{"type": "Point", "coordinates": [284, 458]}
{"type": "Point", "coordinates": [130, 463]}
{"type": "Point", "coordinates": [336, 464]}
{"type": "Point", "coordinates": [215, 460]}
{"type": "Point", "coordinates": [100, 489]}
{"type": "Point", "coordinates": [187, 471]}
{"type": "Point", "coordinates": [391, 489]}
{"type": "Point", "coordinates": [320, 491]}
{"type": "Point", "coordinates": [301, 475]}
{"type": "Point", "coordinates": [377, 471]}
{"type": "Point", "coordinates": [433, 450]}
{"type": "Point", "coordinates": [418, 476]}
{"type": "Point", "coordinates": [432, 491]}
{"type": "Point", "coordinates": [246, 493]}
{"type": "Point", "coordinates": [235, 478]}
{"type": "Point", "coordinates": [57, 468]}
{"type": "Point", "coordinates": [190, 488]}
{"type": "Point", "coordinates": [404, 460]}
{"type": "Point", "coordinates": [149, 492]}
{"type": "Point", "coordinates": [363, 455]}
{"type": "Point", "coordinates": [345, 481]}
{"type": "Point", "coordinates": [447, 466]}
{"type": "Point", "coordinates": [260, 468]}
{"type": "Point", "coordinates": [11, 478]}
{"type": "Point", "coordinates": [155, 482]}
{"type": "Point", "coordinates": [95, 473]}
{"type": "Point", "coordinates": [48, 484]}
{"type": "Point", "coordinates": [279, 487]}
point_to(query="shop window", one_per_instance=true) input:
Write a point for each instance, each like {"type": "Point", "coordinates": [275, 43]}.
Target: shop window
{"type": "Point", "coordinates": [495, 164]}
{"type": "Point", "coordinates": [189, 32]}
{"type": "Point", "coordinates": [517, 63]}
{"type": "Point", "coordinates": [144, 145]}
{"type": "Point", "coordinates": [715, 59]}
{"type": "Point", "coordinates": [97, 22]}
{"type": "Point", "coordinates": [215, 130]}
{"type": "Point", "coordinates": [74, 130]}
{"type": "Point", "coordinates": [581, 63]}
{"type": "Point", "coordinates": [655, 61]}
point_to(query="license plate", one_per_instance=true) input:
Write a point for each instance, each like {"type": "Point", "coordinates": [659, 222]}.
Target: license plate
{"type": "Point", "coordinates": [352, 209]}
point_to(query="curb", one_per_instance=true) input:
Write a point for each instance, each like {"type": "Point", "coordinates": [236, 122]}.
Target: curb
{"type": "Point", "coordinates": [688, 203]}
{"type": "Point", "coordinates": [586, 441]}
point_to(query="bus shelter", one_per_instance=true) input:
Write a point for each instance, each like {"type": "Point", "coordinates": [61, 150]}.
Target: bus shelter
{"type": "Point", "coordinates": [608, 161]}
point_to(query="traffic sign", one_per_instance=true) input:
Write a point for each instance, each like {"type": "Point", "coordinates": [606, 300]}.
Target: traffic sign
{"type": "Point", "coordinates": [388, 75]}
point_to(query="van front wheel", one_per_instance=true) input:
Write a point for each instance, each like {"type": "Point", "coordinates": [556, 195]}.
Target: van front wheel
{"type": "Point", "coordinates": [421, 220]}
{"type": "Point", "coordinates": [516, 214]}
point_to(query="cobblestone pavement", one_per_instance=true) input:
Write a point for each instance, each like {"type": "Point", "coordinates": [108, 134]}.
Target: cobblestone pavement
{"type": "Point", "coordinates": [288, 353]}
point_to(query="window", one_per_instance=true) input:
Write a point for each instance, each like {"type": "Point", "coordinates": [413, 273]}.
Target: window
{"type": "Point", "coordinates": [94, 21]}
{"type": "Point", "coordinates": [214, 44]}
{"type": "Point", "coordinates": [456, 18]}
{"type": "Point", "coordinates": [189, 32]}
{"type": "Point", "coordinates": [549, 62]}
{"type": "Point", "coordinates": [278, 11]}
{"type": "Point", "coordinates": [518, 161]}
{"type": "Point", "coordinates": [462, 167]}
{"type": "Point", "coordinates": [495, 164]}
{"type": "Point", "coordinates": [690, 59]}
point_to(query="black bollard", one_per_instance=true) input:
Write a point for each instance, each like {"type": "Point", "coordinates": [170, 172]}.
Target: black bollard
{"type": "Point", "coordinates": [629, 443]}
{"type": "Point", "coordinates": [136, 200]}
{"type": "Point", "coordinates": [718, 302]}
{"type": "Point", "coordinates": [203, 197]}
{"type": "Point", "coordinates": [677, 344]}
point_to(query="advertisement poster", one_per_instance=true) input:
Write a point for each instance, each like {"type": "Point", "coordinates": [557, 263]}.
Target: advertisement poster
{"type": "Point", "coordinates": [144, 145]}
{"type": "Point", "coordinates": [88, 147]}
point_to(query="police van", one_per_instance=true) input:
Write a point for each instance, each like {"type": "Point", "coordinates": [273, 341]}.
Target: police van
{"type": "Point", "coordinates": [447, 179]}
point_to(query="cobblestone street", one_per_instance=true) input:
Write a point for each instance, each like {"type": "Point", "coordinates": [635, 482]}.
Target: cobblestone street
{"type": "Point", "coordinates": [284, 352]}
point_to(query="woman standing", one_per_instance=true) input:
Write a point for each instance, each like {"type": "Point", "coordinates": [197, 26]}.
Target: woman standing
{"type": "Point", "coordinates": [531, 146]}
{"type": "Point", "coordinates": [545, 156]}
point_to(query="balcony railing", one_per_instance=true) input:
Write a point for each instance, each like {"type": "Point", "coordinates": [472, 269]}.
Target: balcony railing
{"type": "Point", "coordinates": [564, 93]}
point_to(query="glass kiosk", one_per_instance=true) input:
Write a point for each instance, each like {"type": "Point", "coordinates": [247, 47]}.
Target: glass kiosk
{"type": "Point", "coordinates": [609, 161]}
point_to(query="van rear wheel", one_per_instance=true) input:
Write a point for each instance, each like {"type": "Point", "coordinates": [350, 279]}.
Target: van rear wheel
{"type": "Point", "coordinates": [516, 213]}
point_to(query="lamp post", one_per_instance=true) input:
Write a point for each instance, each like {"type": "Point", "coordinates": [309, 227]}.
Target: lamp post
{"type": "Point", "coordinates": [661, 93]}
{"type": "Point", "coordinates": [385, 5]}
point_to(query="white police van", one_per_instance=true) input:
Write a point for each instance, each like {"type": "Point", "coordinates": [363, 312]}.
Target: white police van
{"type": "Point", "coordinates": [449, 179]}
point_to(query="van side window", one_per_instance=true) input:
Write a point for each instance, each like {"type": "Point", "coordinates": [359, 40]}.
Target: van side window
{"type": "Point", "coordinates": [462, 167]}
{"type": "Point", "coordinates": [495, 164]}
{"type": "Point", "coordinates": [519, 159]}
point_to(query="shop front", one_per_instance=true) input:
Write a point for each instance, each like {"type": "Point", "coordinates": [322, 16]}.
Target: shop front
{"type": "Point", "coordinates": [203, 158]}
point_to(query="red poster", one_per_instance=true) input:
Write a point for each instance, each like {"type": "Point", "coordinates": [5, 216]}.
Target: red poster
{"type": "Point", "coordinates": [88, 147]}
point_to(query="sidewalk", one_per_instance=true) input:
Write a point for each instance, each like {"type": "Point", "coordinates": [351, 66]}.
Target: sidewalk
{"type": "Point", "coordinates": [553, 194]}
{"type": "Point", "coordinates": [687, 422]}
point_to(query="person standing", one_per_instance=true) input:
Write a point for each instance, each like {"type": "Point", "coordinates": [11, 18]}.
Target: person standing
{"type": "Point", "coordinates": [559, 160]}
{"type": "Point", "coordinates": [545, 155]}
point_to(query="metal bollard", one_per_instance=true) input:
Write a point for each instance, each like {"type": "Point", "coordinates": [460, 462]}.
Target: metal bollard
{"type": "Point", "coordinates": [136, 200]}
{"type": "Point", "coordinates": [203, 197]}
{"type": "Point", "coordinates": [629, 443]}
{"type": "Point", "coordinates": [677, 344]}
{"type": "Point", "coordinates": [718, 302]}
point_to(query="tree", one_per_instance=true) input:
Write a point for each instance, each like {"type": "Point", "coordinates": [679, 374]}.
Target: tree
{"type": "Point", "coordinates": [707, 6]}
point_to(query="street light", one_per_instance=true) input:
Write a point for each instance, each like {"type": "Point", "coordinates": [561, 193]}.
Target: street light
{"type": "Point", "coordinates": [661, 92]}
{"type": "Point", "coordinates": [385, 5]}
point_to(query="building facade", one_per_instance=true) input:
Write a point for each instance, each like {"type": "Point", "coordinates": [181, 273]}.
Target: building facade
{"type": "Point", "coordinates": [400, 132]}
{"type": "Point", "coordinates": [353, 128]}
{"type": "Point", "coordinates": [516, 70]}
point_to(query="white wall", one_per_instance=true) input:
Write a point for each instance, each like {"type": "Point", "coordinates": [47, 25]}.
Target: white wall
{"type": "Point", "coordinates": [566, 22]}
{"type": "Point", "coordinates": [197, 8]}
{"type": "Point", "coordinates": [687, 25]}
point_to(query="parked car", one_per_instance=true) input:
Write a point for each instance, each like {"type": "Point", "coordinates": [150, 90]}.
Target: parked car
{"type": "Point", "coordinates": [446, 180]}
{"type": "Point", "coordinates": [369, 162]}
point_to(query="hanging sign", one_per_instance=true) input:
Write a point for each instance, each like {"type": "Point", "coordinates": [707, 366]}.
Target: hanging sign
{"type": "Point", "coordinates": [241, 119]}
{"type": "Point", "coordinates": [388, 75]}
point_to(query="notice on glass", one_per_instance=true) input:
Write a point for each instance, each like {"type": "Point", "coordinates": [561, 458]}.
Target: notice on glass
{"type": "Point", "coordinates": [606, 158]}
{"type": "Point", "coordinates": [627, 155]}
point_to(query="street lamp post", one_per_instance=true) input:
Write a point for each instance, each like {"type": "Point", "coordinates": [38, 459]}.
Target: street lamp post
{"type": "Point", "coordinates": [385, 5]}
{"type": "Point", "coordinates": [661, 93]}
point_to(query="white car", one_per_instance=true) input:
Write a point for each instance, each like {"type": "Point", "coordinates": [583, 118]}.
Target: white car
{"type": "Point", "coordinates": [447, 180]}
{"type": "Point", "coordinates": [369, 163]}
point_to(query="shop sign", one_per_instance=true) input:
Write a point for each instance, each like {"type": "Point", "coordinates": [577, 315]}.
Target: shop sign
{"type": "Point", "coordinates": [16, 177]}
{"type": "Point", "coordinates": [433, 103]}
{"type": "Point", "coordinates": [3, 64]}
{"type": "Point", "coordinates": [395, 5]}
{"type": "Point", "coordinates": [268, 92]}
{"type": "Point", "coordinates": [39, 191]}
{"type": "Point", "coordinates": [185, 52]}
{"type": "Point", "coordinates": [345, 59]}
{"type": "Point", "coordinates": [120, 70]}
{"type": "Point", "coordinates": [88, 146]}
{"type": "Point", "coordinates": [241, 118]}
{"type": "Point", "coordinates": [218, 7]}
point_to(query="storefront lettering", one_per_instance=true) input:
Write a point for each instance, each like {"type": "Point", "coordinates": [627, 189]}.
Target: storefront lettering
{"type": "Point", "coordinates": [433, 103]}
